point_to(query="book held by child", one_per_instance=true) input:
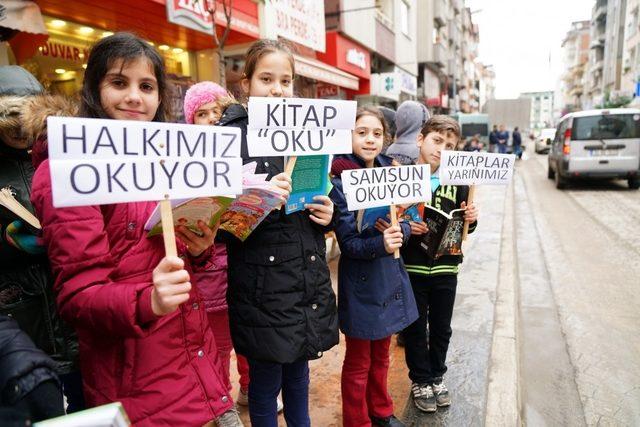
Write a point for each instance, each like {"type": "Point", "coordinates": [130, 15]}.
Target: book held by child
{"type": "Point", "coordinates": [445, 232]}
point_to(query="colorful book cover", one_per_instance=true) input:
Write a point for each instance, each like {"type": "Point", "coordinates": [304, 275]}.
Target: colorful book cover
{"type": "Point", "coordinates": [367, 218]}
{"type": "Point", "coordinates": [310, 177]}
{"type": "Point", "coordinates": [445, 232]}
{"type": "Point", "coordinates": [189, 212]}
{"type": "Point", "coordinates": [248, 210]}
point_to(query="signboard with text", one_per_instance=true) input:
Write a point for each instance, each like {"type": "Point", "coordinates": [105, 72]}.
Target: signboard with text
{"type": "Point", "coordinates": [299, 21]}
{"type": "Point", "coordinates": [472, 168]}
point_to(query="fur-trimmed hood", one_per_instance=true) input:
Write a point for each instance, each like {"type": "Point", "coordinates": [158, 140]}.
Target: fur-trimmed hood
{"type": "Point", "coordinates": [28, 114]}
{"type": "Point", "coordinates": [37, 108]}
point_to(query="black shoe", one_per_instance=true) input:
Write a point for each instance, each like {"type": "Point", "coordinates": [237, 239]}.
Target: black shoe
{"type": "Point", "coordinates": [423, 397]}
{"type": "Point", "coordinates": [442, 394]}
{"type": "Point", "coordinates": [391, 421]}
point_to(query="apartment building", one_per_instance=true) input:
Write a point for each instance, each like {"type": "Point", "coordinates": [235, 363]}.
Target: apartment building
{"type": "Point", "coordinates": [542, 108]}
{"type": "Point", "coordinates": [575, 49]}
{"type": "Point", "coordinates": [630, 83]}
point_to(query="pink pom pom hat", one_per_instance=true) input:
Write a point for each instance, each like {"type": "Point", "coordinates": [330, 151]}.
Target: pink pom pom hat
{"type": "Point", "coordinates": [200, 94]}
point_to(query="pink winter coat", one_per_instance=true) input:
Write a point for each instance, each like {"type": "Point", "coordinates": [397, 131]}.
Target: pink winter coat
{"type": "Point", "coordinates": [163, 369]}
{"type": "Point", "coordinates": [212, 280]}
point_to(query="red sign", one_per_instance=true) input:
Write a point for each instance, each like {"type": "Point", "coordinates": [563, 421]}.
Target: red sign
{"type": "Point", "coordinates": [194, 14]}
{"type": "Point", "coordinates": [347, 55]}
{"type": "Point", "coordinates": [327, 91]}
{"type": "Point", "coordinates": [63, 51]}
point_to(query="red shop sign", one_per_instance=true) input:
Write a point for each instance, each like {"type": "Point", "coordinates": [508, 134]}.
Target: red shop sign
{"type": "Point", "coordinates": [347, 55]}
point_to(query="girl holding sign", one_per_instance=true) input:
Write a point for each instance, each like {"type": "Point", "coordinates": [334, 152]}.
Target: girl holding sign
{"type": "Point", "coordinates": [144, 340]}
{"type": "Point", "coordinates": [282, 309]}
{"type": "Point", "coordinates": [375, 298]}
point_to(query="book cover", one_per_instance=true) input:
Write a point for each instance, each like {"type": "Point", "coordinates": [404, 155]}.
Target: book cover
{"type": "Point", "coordinates": [445, 232]}
{"type": "Point", "coordinates": [310, 177]}
{"type": "Point", "coordinates": [189, 212]}
{"type": "Point", "coordinates": [110, 415]}
{"type": "Point", "coordinates": [367, 218]}
{"type": "Point", "coordinates": [249, 209]}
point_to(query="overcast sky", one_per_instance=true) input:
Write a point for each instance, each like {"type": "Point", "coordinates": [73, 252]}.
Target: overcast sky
{"type": "Point", "coordinates": [519, 36]}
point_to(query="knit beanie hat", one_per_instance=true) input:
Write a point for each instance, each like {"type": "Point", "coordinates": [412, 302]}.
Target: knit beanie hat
{"type": "Point", "coordinates": [200, 94]}
{"type": "Point", "coordinates": [410, 118]}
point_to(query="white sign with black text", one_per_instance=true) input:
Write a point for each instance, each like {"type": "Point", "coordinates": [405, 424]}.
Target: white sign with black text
{"type": "Point", "coordinates": [393, 185]}
{"type": "Point", "coordinates": [473, 168]}
{"type": "Point", "coordinates": [299, 126]}
{"type": "Point", "coordinates": [100, 161]}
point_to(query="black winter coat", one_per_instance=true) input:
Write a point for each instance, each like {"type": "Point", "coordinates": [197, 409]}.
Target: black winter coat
{"type": "Point", "coordinates": [281, 304]}
{"type": "Point", "coordinates": [23, 367]}
{"type": "Point", "coordinates": [25, 279]}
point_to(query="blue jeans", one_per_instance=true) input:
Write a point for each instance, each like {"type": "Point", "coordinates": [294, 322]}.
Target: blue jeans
{"type": "Point", "coordinates": [266, 380]}
{"type": "Point", "coordinates": [502, 148]}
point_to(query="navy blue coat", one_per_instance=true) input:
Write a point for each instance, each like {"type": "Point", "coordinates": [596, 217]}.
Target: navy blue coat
{"type": "Point", "coordinates": [375, 299]}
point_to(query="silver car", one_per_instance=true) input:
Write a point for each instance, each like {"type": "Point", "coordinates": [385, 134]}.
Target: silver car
{"type": "Point", "coordinates": [597, 144]}
{"type": "Point", "coordinates": [543, 141]}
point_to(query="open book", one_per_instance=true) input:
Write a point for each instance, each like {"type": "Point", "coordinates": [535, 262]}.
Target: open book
{"type": "Point", "coordinates": [110, 415]}
{"type": "Point", "coordinates": [238, 215]}
{"type": "Point", "coordinates": [445, 232]}
{"type": "Point", "coordinates": [16, 211]}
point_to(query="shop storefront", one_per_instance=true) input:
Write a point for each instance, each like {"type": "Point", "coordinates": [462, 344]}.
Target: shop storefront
{"type": "Point", "coordinates": [349, 57]}
{"type": "Point", "coordinates": [186, 43]}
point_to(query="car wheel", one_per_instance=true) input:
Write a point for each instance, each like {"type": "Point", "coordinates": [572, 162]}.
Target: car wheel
{"type": "Point", "coordinates": [634, 183]}
{"type": "Point", "coordinates": [550, 173]}
{"type": "Point", "coordinates": [559, 180]}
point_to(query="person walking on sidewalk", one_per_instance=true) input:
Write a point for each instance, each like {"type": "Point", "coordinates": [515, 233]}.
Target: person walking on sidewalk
{"type": "Point", "coordinates": [434, 281]}
{"type": "Point", "coordinates": [517, 142]}
{"type": "Point", "coordinates": [374, 295]}
{"type": "Point", "coordinates": [503, 139]}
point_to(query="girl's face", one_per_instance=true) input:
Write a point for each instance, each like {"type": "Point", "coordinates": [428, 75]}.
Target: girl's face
{"type": "Point", "coordinates": [207, 114]}
{"type": "Point", "coordinates": [368, 138]}
{"type": "Point", "coordinates": [272, 77]}
{"type": "Point", "coordinates": [129, 91]}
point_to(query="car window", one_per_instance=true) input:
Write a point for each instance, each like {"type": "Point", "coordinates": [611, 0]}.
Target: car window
{"type": "Point", "coordinates": [613, 126]}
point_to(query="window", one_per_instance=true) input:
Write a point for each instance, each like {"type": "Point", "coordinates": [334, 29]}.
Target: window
{"type": "Point", "coordinates": [404, 17]}
{"type": "Point", "coordinates": [615, 126]}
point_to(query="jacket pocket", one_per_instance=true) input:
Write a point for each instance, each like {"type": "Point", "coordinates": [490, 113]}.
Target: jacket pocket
{"type": "Point", "coordinates": [278, 268]}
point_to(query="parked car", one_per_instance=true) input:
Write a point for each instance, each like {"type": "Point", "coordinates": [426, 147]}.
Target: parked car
{"type": "Point", "coordinates": [597, 144]}
{"type": "Point", "coordinates": [543, 141]}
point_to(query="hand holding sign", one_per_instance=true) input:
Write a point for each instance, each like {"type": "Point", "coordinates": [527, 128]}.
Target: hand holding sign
{"type": "Point", "coordinates": [392, 237]}
{"type": "Point", "coordinates": [171, 286]}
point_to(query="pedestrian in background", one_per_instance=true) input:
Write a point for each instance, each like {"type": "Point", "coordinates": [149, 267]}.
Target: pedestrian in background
{"type": "Point", "coordinates": [410, 117]}
{"type": "Point", "coordinates": [503, 139]}
{"type": "Point", "coordinates": [517, 142]}
{"type": "Point", "coordinates": [493, 139]}
{"type": "Point", "coordinates": [374, 295]}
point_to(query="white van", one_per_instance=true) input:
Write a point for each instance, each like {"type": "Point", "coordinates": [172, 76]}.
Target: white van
{"type": "Point", "coordinates": [597, 144]}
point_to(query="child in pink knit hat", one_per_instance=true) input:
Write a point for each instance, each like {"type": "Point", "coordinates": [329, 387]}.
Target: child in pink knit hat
{"type": "Point", "coordinates": [205, 102]}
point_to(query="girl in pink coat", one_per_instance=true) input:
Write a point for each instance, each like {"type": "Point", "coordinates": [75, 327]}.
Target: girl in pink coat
{"type": "Point", "coordinates": [144, 337]}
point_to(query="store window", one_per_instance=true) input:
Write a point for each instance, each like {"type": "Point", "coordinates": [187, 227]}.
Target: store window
{"type": "Point", "coordinates": [60, 63]}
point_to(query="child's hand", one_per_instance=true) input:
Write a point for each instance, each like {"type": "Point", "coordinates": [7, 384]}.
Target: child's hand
{"type": "Point", "coordinates": [195, 244]}
{"type": "Point", "coordinates": [321, 213]}
{"type": "Point", "coordinates": [382, 225]}
{"type": "Point", "coordinates": [171, 286]}
{"type": "Point", "coordinates": [392, 238]}
{"type": "Point", "coordinates": [283, 182]}
{"type": "Point", "coordinates": [418, 228]}
{"type": "Point", "coordinates": [470, 213]}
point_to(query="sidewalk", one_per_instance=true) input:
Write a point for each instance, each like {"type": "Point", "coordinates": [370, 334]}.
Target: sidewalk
{"type": "Point", "coordinates": [471, 344]}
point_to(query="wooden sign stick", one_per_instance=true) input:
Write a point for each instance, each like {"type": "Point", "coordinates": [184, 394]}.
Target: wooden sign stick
{"type": "Point", "coordinates": [291, 163]}
{"type": "Point", "coordinates": [465, 230]}
{"type": "Point", "coordinates": [168, 232]}
{"type": "Point", "coordinates": [394, 222]}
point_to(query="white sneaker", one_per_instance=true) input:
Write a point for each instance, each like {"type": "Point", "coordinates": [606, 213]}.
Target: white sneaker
{"type": "Point", "coordinates": [243, 400]}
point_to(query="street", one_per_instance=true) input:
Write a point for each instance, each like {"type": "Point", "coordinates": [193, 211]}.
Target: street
{"type": "Point", "coordinates": [545, 324]}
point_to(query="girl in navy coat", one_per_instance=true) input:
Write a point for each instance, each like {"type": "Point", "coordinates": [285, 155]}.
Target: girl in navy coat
{"type": "Point", "coordinates": [374, 294]}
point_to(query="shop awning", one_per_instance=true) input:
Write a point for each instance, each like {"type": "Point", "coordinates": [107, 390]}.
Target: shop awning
{"type": "Point", "coordinates": [21, 23]}
{"type": "Point", "coordinates": [316, 70]}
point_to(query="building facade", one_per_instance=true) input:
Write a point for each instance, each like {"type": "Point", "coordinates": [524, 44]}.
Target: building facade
{"type": "Point", "coordinates": [575, 55]}
{"type": "Point", "coordinates": [542, 108]}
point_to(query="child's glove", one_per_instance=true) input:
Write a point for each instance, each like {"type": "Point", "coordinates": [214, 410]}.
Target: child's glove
{"type": "Point", "coordinates": [22, 239]}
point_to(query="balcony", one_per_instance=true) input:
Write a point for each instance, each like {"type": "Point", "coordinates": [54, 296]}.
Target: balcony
{"type": "Point", "coordinates": [439, 54]}
{"type": "Point", "coordinates": [600, 12]}
{"type": "Point", "coordinates": [454, 33]}
{"type": "Point", "coordinates": [457, 6]}
{"type": "Point", "coordinates": [440, 13]}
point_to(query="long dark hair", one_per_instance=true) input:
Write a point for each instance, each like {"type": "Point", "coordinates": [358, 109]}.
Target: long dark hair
{"type": "Point", "coordinates": [126, 47]}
